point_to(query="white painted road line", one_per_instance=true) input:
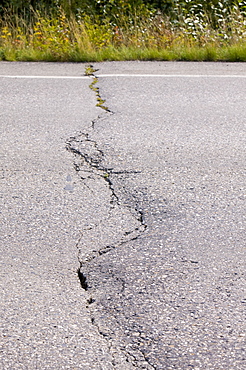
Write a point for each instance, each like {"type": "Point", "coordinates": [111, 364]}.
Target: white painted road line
{"type": "Point", "coordinates": [47, 77]}
{"type": "Point", "coordinates": [126, 75]}
{"type": "Point", "coordinates": [167, 75]}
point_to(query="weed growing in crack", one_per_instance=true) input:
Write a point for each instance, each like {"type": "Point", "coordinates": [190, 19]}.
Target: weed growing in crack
{"type": "Point", "coordinates": [89, 70]}
{"type": "Point", "coordinates": [100, 101]}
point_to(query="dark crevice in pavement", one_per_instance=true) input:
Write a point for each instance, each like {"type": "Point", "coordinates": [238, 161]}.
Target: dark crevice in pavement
{"type": "Point", "coordinates": [82, 279]}
{"type": "Point", "coordinates": [89, 164]}
{"type": "Point", "coordinates": [87, 149]}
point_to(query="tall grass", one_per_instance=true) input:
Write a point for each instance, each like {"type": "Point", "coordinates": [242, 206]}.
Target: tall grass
{"type": "Point", "coordinates": [130, 33]}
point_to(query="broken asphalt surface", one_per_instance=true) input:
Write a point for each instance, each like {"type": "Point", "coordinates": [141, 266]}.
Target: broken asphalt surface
{"type": "Point", "coordinates": [145, 198]}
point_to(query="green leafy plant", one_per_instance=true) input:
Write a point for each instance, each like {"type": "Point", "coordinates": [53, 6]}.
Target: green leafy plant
{"type": "Point", "coordinates": [81, 30]}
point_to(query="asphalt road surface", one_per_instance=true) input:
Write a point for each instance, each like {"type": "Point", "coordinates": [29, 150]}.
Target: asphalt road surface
{"type": "Point", "coordinates": [146, 199]}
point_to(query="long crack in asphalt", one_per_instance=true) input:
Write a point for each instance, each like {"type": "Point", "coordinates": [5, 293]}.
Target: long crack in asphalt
{"type": "Point", "coordinates": [90, 166]}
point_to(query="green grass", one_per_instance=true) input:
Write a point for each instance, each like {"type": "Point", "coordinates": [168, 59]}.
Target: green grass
{"type": "Point", "coordinates": [143, 36]}
{"type": "Point", "coordinates": [234, 53]}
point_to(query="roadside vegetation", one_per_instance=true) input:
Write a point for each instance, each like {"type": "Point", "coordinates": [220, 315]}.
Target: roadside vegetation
{"type": "Point", "coordinates": [98, 30]}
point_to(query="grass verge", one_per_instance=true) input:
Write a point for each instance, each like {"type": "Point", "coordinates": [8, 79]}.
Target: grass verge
{"type": "Point", "coordinates": [147, 36]}
{"type": "Point", "coordinates": [232, 53]}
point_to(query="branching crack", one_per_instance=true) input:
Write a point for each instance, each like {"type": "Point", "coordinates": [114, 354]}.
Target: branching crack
{"type": "Point", "coordinates": [89, 163]}
{"type": "Point", "coordinates": [89, 160]}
